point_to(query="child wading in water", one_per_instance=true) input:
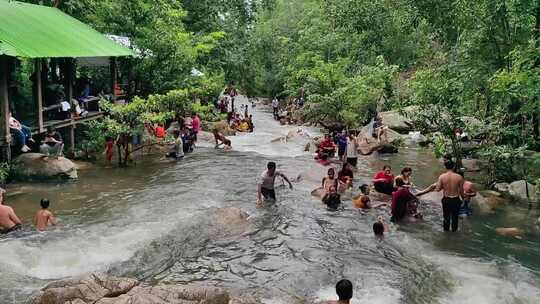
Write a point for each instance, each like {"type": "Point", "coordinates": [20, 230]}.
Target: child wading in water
{"type": "Point", "coordinates": [44, 218]}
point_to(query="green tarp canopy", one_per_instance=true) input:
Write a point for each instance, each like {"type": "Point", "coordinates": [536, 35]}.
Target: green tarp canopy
{"type": "Point", "coordinates": [35, 31]}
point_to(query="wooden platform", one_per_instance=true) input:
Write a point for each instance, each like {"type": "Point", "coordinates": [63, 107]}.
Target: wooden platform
{"type": "Point", "coordinates": [58, 124]}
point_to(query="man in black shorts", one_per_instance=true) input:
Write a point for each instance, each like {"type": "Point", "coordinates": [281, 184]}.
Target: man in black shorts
{"type": "Point", "coordinates": [266, 183]}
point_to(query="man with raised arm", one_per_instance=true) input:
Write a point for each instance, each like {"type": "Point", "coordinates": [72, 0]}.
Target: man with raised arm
{"type": "Point", "coordinates": [265, 187]}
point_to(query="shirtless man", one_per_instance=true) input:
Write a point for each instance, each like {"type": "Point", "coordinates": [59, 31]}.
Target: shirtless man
{"type": "Point", "coordinates": [469, 191]}
{"type": "Point", "coordinates": [44, 218]}
{"type": "Point", "coordinates": [9, 221]}
{"type": "Point", "coordinates": [451, 184]}
{"type": "Point", "coordinates": [344, 290]}
{"type": "Point", "coordinates": [221, 138]}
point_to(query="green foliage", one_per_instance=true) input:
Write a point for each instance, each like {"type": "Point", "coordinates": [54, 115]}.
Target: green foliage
{"type": "Point", "coordinates": [5, 172]}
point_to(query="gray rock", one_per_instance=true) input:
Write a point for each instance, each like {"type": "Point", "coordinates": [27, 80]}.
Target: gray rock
{"type": "Point", "coordinates": [397, 121]}
{"type": "Point", "coordinates": [471, 164]}
{"type": "Point", "coordinates": [39, 166]}
{"type": "Point", "coordinates": [103, 289]}
{"type": "Point", "coordinates": [519, 189]}
{"type": "Point", "coordinates": [502, 187]}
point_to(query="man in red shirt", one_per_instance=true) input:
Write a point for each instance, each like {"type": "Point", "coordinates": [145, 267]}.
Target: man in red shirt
{"type": "Point", "coordinates": [384, 181]}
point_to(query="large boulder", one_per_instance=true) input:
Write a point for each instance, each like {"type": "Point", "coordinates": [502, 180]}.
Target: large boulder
{"type": "Point", "coordinates": [502, 187]}
{"type": "Point", "coordinates": [520, 189]}
{"type": "Point", "coordinates": [104, 289]}
{"type": "Point", "coordinates": [396, 121]}
{"type": "Point", "coordinates": [487, 201]}
{"type": "Point", "coordinates": [38, 166]}
{"type": "Point", "coordinates": [367, 144]}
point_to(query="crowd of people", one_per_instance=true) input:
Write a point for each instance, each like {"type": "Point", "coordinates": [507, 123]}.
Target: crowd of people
{"type": "Point", "coordinates": [397, 192]}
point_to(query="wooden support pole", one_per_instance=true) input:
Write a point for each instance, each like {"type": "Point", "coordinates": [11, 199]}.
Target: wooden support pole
{"type": "Point", "coordinates": [70, 75]}
{"type": "Point", "coordinates": [113, 77]}
{"type": "Point", "coordinates": [39, 95]}
{"type": "Point", "coordinates": [5, 136]}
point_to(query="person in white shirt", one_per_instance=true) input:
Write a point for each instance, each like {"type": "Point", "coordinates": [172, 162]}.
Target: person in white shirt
{"type": "Point", "coordinates": [352, 150]}
{"type": "Point", "coordinates": [266, 183]}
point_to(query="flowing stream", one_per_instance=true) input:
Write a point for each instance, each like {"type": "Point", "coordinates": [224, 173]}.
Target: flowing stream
{"type": "Point", "coordinates": [150, 221]}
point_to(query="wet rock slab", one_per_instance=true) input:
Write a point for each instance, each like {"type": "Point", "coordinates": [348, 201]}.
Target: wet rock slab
{"type": "Point", "coordinates": [104, 289]}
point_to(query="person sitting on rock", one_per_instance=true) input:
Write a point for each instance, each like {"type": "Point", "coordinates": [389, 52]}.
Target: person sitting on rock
{"type": "Point", "coordinates": [344, 290]}
{"type": "Point", "coordinates": [21, 133]}
{"type": "Point", "coordinates": [384, 181]}
{"type": "Point", "coordinates": [52, 143]}
{"type": "Point", "coordinates": [380, 130]}
{"type": "Point", "coordinates": [44, 218]}
{"type": "Point", "coordinates": [9, 221]}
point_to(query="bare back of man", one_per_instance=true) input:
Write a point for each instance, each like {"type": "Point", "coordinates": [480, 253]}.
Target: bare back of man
{"type": "Point", "coordinates": [8, 219]}
{"type": "Point", "coordinates": [43, 219]}
{"type": "Point", "coordinates": [451, 184]}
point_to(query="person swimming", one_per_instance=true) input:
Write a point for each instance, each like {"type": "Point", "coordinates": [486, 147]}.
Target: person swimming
{"type": "Point", "coordinates": [344, 290]}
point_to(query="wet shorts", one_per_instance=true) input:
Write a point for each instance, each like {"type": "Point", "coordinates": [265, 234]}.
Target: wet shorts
{"type": "Point", "coordinates": [14, 228]}
{"type": "Point", "coordinates": [268, 194]}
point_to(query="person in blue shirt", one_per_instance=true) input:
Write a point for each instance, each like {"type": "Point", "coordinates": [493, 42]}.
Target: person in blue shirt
{"type": "Point", "coordinates": [341, 141]}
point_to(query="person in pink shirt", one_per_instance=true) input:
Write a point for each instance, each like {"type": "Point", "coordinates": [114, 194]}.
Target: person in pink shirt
{"type": "Point", "coordinates": [196, 125]}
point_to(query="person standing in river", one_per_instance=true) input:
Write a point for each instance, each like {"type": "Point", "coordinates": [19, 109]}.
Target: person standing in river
{"type": "Point", "coordinates": [9, 221]}
{"type": "Point", "coordinates": [265, 186]}
{"type": "Point", "coordinates": [44, 218]}
{"type": "Point", "coordinates": [352, 150]}
{"type": "Point", "coordinates": [451, 184]}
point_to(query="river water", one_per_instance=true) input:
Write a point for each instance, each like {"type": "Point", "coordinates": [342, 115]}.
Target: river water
{"type": "Point", "coordinates": [150, 221]}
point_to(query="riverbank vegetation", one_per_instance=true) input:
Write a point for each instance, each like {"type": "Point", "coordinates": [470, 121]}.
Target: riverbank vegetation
{"type": "Point", "coordinates": [465, 65]}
